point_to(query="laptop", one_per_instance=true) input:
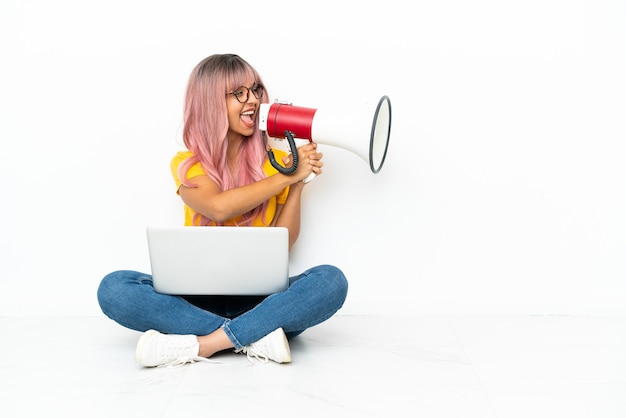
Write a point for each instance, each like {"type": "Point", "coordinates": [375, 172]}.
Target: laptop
{"type": "Point", "coordinates": [219, 260]}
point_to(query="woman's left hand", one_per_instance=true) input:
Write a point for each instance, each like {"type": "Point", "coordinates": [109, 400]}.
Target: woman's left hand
{"type": "Point", "coordinates": [309, 161]}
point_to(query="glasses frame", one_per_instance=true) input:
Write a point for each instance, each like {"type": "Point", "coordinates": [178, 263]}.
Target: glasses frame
{"type": "Point", "coordinates": [252, 89]}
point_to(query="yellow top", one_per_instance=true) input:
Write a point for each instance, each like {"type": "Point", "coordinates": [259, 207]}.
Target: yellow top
{"type": "Point", "coordinates": [196, 170]}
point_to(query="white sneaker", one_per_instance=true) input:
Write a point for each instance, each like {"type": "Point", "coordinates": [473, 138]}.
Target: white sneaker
{"type": "Point", "coordinates": [274, 346]}
{"type": "Point", "coordinates": [155, 349]}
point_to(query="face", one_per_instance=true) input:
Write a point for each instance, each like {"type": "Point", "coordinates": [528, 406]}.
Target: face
{"type": "Point", "coordinates": [242, 105]}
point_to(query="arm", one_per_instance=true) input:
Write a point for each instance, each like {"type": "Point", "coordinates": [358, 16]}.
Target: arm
{"type": "Point", "coordinates": [288, 215]}
{"type": "Point", "coordinates": [207, 198]}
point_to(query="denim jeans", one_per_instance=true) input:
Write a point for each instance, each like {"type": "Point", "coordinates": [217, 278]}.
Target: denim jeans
{"type": "Point", "coordinates": [128, 298]}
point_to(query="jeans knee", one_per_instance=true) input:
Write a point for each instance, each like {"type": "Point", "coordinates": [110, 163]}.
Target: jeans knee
{"type": "Point", "coordinates": [335, 281]}
{"type": "Point", "coordinates": [105, 291]}
{"type": "Point", "coordinates": [112, 289]}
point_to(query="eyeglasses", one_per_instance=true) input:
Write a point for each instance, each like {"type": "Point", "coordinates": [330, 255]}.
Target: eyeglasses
{"type": "Point", "coordinates": [242, 94]}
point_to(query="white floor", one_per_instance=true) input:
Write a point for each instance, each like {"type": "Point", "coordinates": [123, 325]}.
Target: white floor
{"type": "Point", "coordinates": [350, 366]}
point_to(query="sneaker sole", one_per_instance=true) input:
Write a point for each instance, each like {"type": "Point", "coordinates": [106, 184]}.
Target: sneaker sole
{"type": "Point", "coordinates": [286, 358]}
{"type": "Point", "coordinates": [143, 341]}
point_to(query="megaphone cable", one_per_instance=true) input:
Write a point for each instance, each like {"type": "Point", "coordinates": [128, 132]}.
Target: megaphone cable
{"type": "Point", "coordinates": [294, 154]}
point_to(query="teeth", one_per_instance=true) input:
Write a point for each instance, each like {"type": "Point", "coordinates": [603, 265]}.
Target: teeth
{"type": "Point", "coordinates": [248, 113]}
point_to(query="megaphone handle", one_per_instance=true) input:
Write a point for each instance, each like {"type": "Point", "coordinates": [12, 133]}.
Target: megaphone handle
{"type": "Point", "coordinates": [294, 154]}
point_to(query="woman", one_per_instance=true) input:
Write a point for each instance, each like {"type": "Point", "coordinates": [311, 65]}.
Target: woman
{"type": "Point", "coordinates": [225, 178]}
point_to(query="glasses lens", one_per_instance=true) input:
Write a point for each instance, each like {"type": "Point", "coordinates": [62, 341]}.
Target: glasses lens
{"type": "Point", "coordinates": [241, 94]}
{"type": "Point", "coordinates": [257, 90]}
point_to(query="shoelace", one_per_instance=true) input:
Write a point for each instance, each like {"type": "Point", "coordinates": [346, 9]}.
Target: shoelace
{"type": "Point", "coordinates": [254, 352]}
{"type": "Point", "coordinates": [182, 360]}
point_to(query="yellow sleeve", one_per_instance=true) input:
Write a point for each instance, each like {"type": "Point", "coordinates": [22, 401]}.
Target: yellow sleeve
{"type": "Point", "coordinates": [194, 170]}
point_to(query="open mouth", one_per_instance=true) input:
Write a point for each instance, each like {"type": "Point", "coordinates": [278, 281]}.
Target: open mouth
{"type": "Point", "coordinates": [247, 118]}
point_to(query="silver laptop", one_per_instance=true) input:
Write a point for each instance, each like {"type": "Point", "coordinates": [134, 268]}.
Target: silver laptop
{"type": "Point", "coordinates": [219, 260]}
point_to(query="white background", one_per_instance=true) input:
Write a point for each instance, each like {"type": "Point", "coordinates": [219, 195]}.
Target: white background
{"type": "Point", "coordinates": [504, 190]}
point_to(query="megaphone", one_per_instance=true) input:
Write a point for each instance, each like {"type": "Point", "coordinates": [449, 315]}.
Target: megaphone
{"type": "Point", "coordinates": [365, 133]}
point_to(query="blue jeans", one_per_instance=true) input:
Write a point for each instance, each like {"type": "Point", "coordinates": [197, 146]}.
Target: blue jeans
{"type": "Point", "coordinates": [128, 298]}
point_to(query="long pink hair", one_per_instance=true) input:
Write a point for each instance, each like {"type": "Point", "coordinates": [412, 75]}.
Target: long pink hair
{"type": "Point", "coordinates": [206, 127]}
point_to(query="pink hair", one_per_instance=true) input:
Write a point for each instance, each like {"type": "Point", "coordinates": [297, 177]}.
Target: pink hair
{"type": "Point", "coordinates": [206, 127]}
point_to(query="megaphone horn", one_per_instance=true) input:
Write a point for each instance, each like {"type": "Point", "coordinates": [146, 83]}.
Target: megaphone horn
{"type": "Point", "coordinates": [340, 129]}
